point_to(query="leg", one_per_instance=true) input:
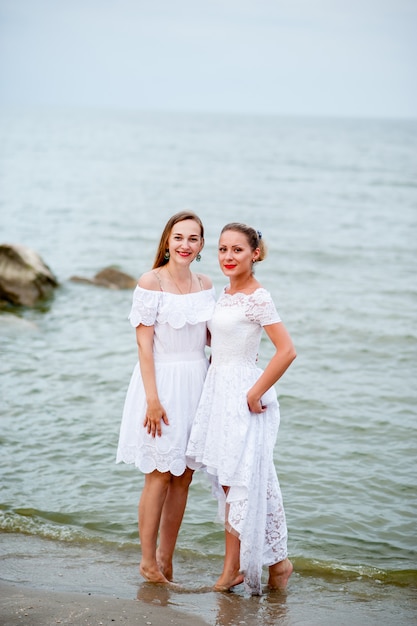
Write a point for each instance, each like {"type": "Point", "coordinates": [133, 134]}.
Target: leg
{"type": "Point", "coordinates": [171, 518]}
{"type": "Point", "coordinates": [230, 576]}
{"type": "Point", "coordinates": [279, 574]}
{"type": "Point", "coordinates": [150, 510]}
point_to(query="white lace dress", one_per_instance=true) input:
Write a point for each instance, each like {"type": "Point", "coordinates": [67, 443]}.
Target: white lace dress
{"type": "Point", "coordinates": [180, 323]}
{"type": "Point", "coordinates": [236, 446]}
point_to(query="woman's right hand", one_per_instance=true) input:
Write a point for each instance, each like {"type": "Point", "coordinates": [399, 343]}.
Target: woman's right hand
{"type": "Point", "coordinates": [155, 415]}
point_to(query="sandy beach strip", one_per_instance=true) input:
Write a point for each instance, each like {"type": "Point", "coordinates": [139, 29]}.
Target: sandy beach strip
{"type": "Point", "coordinates": [33, 607]}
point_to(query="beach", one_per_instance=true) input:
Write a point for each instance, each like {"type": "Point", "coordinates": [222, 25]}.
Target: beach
{"type": "Point", "coordinates": [46, 582]}
{"type": "Point", "coordinates": [92, 189]}
{"type": "Point", "coordinates": [20, 605]}
{"type": "Point", "coordinates": [157, 606]}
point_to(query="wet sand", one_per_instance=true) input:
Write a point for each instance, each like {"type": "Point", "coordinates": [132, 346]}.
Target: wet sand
{"type": "Point", "coordinates": [44, 582]}
{"type": "Point", "coordinates": [21, 605]}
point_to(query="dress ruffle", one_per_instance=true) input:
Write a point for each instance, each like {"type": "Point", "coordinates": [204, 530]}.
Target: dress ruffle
{"type": "Point", "coordinates": [170, 308]}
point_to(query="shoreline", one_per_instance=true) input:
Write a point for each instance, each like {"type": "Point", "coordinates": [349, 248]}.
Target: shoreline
{"type": "Point", "coordinates": [45, 582]}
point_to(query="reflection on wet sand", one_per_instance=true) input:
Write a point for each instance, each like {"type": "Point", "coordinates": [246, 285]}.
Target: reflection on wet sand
{"type": "Point", "coordinates": [268, 610]}
{"type": "Point", "coordinates": [220, 609]}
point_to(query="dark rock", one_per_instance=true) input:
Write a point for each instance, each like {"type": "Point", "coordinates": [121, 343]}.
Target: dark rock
{"type": "Point", "coordinates": [25, 278]}
{"type": "Point", "coordinates": [109, 277]}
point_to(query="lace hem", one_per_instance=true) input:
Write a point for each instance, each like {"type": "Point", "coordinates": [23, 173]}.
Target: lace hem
{"type": "Point", "coordinates": [257, 518]}
{"type": "Point", "coordinates": [146, 459]}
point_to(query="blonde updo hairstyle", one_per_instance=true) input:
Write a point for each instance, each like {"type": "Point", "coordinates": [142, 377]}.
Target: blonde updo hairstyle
{"type": "Point", "coordinates": [253, 236]}
{"type": "Point", "coordinates": [160, 259]}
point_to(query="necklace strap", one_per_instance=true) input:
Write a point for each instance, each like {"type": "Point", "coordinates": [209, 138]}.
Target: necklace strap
{"type": "Point", "coordinates": [175, 283]}
{"type": "Point", "coordinates": [159, 280]}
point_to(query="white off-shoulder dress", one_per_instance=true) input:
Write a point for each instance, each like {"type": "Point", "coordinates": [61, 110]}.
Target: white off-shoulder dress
{"type": "Point", "coordinates": [180, 324]}
{"type": "Point", "coordinates": [236, 446]}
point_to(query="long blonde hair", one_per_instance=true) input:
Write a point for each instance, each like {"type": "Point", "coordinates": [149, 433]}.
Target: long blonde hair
{"type": "Point", "coordinates": [160, 259]}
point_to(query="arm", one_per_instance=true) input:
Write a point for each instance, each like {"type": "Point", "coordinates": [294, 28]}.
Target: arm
{"type": "Point", "coordinates": [284, 355]}
{"type": "Point", "coordinates": [155, 412]}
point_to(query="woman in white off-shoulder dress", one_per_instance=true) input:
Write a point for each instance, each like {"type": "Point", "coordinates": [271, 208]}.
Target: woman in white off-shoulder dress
{"type": "Point", "coordinates": [235, 429]}
{"type": "Point", "coordinates": [170, 310]}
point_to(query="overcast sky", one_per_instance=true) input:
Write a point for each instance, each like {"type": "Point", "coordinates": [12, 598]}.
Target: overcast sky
{"type": "Point", "coordinates": [308, 57]}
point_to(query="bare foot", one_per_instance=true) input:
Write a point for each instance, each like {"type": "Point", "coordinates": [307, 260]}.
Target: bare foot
{"type": "Point", "coordinates": [152, 574]}
{"type": "Point", "coordinates": [165, 567]}
{"type": "Point", "coordinates": [224, 583]}
{"type": "Point", "coordinates": [279, 574]}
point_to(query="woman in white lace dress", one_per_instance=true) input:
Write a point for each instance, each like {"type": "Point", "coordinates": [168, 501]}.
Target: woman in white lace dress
{"type": "Point", "coordinates": [170, 310]}
{"type": "Point", "coordinates": [236, 425]}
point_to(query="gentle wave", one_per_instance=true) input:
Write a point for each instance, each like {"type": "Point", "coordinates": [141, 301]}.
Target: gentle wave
{"type": "Point", "coordinates": [65, 528]}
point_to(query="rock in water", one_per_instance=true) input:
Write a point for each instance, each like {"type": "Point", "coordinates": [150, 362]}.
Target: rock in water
{"type": "Point", "coordinates": [24, 277]}
{"type": "Point", "coordinates": [114, 279]}
{"type": "Point", "coordinates": [109, 277]}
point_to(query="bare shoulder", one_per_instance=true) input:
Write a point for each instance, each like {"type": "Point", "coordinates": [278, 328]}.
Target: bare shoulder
{"type": "Point", "coordinates": [205, 281]}
{"type": "Point", "coordinates": [149, 280]}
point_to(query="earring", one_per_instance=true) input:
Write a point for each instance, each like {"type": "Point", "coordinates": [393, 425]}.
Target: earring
{"type": "Point", "coordinates": [198, 258]}
{"type": "Point", "coordinates": [166, 255]}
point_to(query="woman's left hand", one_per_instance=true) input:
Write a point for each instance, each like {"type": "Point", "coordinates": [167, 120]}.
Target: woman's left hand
{"type": "Point", "coordinates": [255, 405]}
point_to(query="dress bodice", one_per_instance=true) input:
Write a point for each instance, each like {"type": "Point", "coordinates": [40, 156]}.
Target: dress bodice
{"type": "Point", "coordinates": [179, 320]}
{"type": "Point", "coordinates": [236, 327]}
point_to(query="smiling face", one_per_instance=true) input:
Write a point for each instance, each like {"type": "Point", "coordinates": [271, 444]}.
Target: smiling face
{"type": "Point", "coordinates": [185, 241]}
{"type": "Point", "coordinates": [235, 254]}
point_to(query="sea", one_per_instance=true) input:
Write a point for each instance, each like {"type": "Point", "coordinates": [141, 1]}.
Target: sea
{"type": "Point", "coordinates": [336, 202]}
